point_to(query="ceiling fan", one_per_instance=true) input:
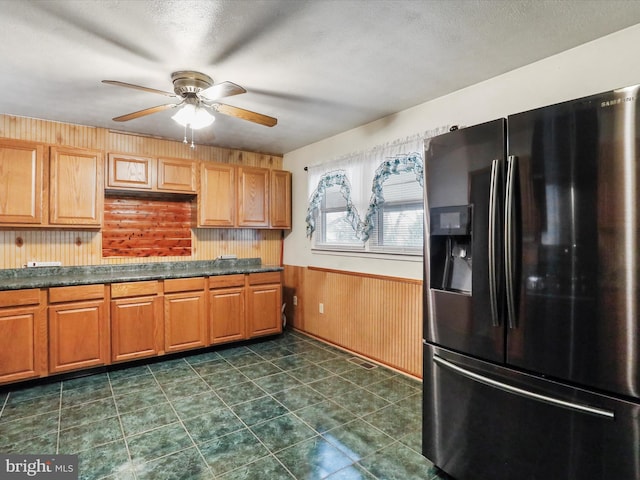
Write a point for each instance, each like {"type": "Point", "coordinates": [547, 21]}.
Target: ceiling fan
{"type": "Point", "coordinates": [198, 96]}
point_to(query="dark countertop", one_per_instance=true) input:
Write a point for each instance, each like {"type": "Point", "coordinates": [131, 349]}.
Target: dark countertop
{"type": "Point", "coordinates": [42, 277]}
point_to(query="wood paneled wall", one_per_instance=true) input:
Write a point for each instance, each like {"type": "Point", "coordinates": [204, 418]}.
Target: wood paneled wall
{"type": "Point", "coordinates": [17, 247]}
{"type": "Point", "coordinates": [377, 317]}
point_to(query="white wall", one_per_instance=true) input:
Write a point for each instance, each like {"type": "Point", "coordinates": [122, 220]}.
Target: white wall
{"type": "Point", "coordinates": [604, 64]}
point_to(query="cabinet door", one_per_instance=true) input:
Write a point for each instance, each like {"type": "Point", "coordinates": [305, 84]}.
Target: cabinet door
{"type": "Point", "coordinates": [129, 171]}
{"type": "Point", "coordinates": [264, 304]}
{"type": "Point", "coordinates": [226, 315]}
{"type": "Point", "coordinates": [77, 183]}
{"type": "Point", "coordinates": [22, 343]}
{"type": "Point", "coordinates": [21, 182]}
{"type": "Point", "coordinates": [78, 335]}
{"type": "Point", "coordinates": [185, 323]}
{"type": "Point", "coordinates": [136, 328]}
{"type": "Point", "coordinates": [280, 205]}
{"type": "Point", "coordinates": [216, 201]}
{"type": "Point", "coordinates": [253, 197]}
{"type": "Point", "coordinates": [175, 175]}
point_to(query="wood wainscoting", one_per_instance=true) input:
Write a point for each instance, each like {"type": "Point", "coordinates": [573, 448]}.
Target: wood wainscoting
{"type": "Point", "coordinates": [375, 316]}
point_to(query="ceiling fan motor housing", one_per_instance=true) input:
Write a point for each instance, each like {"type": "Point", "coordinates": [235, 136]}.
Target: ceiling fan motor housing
{"type": "Point", "coordinates": [188, 82]}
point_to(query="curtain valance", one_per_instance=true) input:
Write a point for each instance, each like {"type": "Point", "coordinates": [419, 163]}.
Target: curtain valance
{"type": "Point", "coordinates": [361, 178]}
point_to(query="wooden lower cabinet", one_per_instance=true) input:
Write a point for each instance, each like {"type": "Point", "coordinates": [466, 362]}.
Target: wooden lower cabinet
{"type": "Point", "coordinates": [185, 314]}
{"type": "Point", "coordinates": [92, 325]}
{"type": "Point", "coordinates": [78, 328]}
{"type": "Point", "coordinates": [137, 329]}
{"type": "Point", "coordinates": [244, 306]}
{"type": "Point", "coordinates": [264, 304]}
{"type": "Point", "coordinates": [23, 335]}
{"type": "Point", "coordinates": [227, 308]}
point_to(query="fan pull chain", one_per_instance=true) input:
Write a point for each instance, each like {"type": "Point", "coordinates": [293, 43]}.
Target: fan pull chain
{"type": "Point", "coordinates": [193, 145]}
{"type": "Point", "coordinates": [185, 135]}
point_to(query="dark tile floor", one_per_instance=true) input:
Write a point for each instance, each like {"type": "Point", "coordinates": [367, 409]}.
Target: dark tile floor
{"type": "Point", "coordinates": [288, 407]}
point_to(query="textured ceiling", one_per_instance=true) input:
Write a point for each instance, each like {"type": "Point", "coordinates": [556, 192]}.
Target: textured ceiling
{"type": "Point", "coordinates": [321, 67]}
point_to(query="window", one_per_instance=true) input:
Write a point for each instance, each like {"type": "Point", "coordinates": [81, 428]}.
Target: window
{"type": "Point", "coordinates": [399, 221]}
{"type": "Point", "coordinates": [370, 201]}
{"type": "Point", "coordinates": [394, 218]}
{"type": "Point", "coordinates": [335, 228]}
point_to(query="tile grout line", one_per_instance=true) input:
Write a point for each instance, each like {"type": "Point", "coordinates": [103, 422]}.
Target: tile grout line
{"type": "Point", "coordinates": [271, 357]}
{"type": "Point", "coordinates": [124, 437]}
{"type": "Point", "coordinates": [194, 444]}
{"type": "Point", "coordinates": [295, 415]}
{"type": "Point", "coordinates": [241, 421]}
{"type": "Point", "coordinates": [248, 427]}
{"type": "Point", "coordinates": [267, 394]}
{"type": "Point", "coordinates": [6, 400]}
{"type": "Point", "coordinates": [59, 418]}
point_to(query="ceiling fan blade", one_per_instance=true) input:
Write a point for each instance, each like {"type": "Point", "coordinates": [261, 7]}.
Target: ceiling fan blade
{"type": "Point", "coordinates": [138, 87]}
{"type": "Point", "coordinates": [224, 89]}
{"type": "Point", "coordinates": [244, 114]}
{"type": "Point", "coordinates": [146, 111]}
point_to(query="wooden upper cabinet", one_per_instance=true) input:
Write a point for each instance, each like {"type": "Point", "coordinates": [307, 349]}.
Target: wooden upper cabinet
{"type": "Point", "coordinates": [76, 187]}
{"type": "Point", "coordinates": [217, 196]}
{"type": "Point", "coordinates": [22, 187]}
{"type": "Point", "coordinates": [129, 171]}
{"type": "Point", "coordinates": [280, 205]}
{"type": "Point", "coordinates": [176, 175]}
{"type": "Point", "coordinates": [136, 172]}
{"type": "Point", "coordinates": [253, 197]}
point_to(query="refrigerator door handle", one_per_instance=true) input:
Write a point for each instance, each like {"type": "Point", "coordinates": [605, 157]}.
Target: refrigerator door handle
{"type": "Point", "coordinates": [578, 407]}
{"type": "Point", "coordinates": [493, 206]}
{"type": "Point", "coordinates": [509, 241]}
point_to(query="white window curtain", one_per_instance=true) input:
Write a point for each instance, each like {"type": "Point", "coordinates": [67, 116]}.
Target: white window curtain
{"type": "Point", "coordinates": [360, 177]}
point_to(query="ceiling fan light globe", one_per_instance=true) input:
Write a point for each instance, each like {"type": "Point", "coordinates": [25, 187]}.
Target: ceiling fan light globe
{"type": "Point", "coordinates": [201, 118]}
{"type": "Point", "coordinates": [193, 117]}
{"type": "Point", "coordinates": [184, 115]}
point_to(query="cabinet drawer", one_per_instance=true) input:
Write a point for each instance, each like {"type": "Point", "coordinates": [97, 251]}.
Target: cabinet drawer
{"type": "Point", "coordinates": [17, 298]}
{"type": "Point", "coordinates": [81, 292]}
{"type": "Point", "coordinates": [266, 277]}
{"type": "Point", "coordinates": [183, 284]}
{"type": "Point", "coordinates": [133, 289]}
{"type": "Point", "coordinates": [224, 281]}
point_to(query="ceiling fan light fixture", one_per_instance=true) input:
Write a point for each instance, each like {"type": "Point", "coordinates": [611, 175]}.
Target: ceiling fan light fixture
{"type": "Point", "coordinates": [193, 116]}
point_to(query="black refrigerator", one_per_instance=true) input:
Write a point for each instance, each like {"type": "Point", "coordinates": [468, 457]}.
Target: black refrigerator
{"type": "Point", "coordinates": [531, 289]}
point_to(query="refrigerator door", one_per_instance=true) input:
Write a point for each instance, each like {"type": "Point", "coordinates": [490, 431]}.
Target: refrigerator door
{"type": "Point", "coordinates": [463, 204]}
{"type": "Point", "coordinates": [486, 422]}
{"type": "Point", "coordinates": [573, 234]}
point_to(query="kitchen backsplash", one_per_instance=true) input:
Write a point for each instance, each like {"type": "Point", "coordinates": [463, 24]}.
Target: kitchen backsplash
{"type": "Point", "coordinates": [77, 248]}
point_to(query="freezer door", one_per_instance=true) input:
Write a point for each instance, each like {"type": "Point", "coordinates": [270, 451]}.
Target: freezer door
{"type": "Point", "coordinates": [575, 227]}
{"type": "Point", "coordinates": [463, 274]}
{"type": "Point", "coordinates": [484, 422]}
